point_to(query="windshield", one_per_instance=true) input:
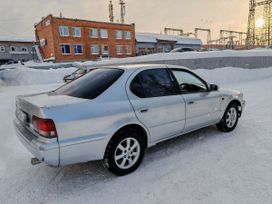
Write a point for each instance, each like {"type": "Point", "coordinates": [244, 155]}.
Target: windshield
{"type": "Point", "coordinates": [92, 84]}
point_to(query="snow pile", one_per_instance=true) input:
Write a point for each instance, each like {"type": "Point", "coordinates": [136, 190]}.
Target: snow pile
{"type": "Point", "coordinates": [41, 65]}
{"type": "Point", "coordinates": [185, 55]}
{"type": "Point", "coordinates": [33, 63]}
{"type": "Point", "coordinates": [22, 75]}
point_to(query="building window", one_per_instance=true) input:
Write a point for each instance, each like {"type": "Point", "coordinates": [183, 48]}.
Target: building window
{"type": "Point", "coordinates": [119, 49]}
{"type": "Point", "coordinates": [2, 49]}
{"type": "Point", "coordinates": [13, 49]}
{"type": "Point", "coordinates": [104, 33]}
{"type": "Point", "coordinates": [64, 30]}
{"type": "Point", "coordinates": [76, 32]}
{"type": "Point", "coordinates": [24, 49]}
{"type": "Point", "coordinates": [118, 34]}
{"type": "Point", "coordinates": [43, 42]}
{"type": "Point", "coordinates": [105, 50]}
{"type": "Point", "coordinates": [47, 23]}
{"type": "Point", "coordinates": [65, 49]}
{"type": "Point", "coordinates": [94, 50]}
{"type": "Point", "coordinates": [78, 49]}
{"type": "Point", "coordinates": [128, 50]}
{"type": "Point", "coordinates": [93, 33]}
{"type": "Point", "coordinates": [128, 35]}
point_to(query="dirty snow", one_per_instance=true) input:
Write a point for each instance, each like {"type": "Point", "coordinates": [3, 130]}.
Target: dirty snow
{"type": "Point", "coordinates": [206, 166]}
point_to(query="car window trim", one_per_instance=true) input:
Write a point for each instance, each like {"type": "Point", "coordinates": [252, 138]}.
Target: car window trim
{"type": "Point", "coordinates": [184, 70]}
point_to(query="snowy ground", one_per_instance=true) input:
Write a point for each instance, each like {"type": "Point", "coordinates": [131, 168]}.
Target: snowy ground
{"type": "Point", "coordinates": [206, 166]}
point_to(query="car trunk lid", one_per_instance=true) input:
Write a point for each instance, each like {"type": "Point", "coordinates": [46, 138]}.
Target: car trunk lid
{"type": "Point", "coordinates": [28, 106]}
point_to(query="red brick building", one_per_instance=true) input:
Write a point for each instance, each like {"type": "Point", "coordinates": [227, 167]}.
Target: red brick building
{"type": "Point", "coordinates": [64, 39]}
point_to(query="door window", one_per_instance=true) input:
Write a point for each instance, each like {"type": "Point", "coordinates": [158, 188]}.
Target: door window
{"type": "Point", "coordinates": [188, 82]}
{"type": "Point", "coordinates": [153, 83]}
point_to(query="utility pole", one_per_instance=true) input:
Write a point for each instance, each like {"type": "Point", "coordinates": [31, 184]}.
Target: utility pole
{"type": "Point", "coordinates": [111, 12]}
{"type": "Point", "coordinates": [123, 11]}
{"type": "Point", "coordinates": [251, 24]}
{"type": "Point", "coordinates": [259, 34]}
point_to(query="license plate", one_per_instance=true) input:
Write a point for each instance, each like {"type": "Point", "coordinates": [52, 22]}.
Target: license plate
{"type": "Point", "coordinates": [22, 116]}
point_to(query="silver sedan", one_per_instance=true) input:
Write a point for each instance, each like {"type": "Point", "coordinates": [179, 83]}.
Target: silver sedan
{"type": "Point", "coordinates": [114, 113]}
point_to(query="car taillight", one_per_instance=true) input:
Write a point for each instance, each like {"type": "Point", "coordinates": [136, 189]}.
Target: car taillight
{"type": "Point", "coordinates": [45, 127]}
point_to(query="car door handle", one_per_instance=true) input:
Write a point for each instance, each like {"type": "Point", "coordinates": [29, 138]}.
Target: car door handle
{"type": "Point", "coordinates": [191, 102]}
{"type": "Point", "coordinates": [143, 110]}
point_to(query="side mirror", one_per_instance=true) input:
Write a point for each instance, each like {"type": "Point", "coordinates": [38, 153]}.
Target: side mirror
{"type": "Point", "coordinates": [213, 87]}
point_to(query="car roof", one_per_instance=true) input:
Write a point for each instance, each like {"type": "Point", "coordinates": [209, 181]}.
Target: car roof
{"type": "Point", "coordinates": [143, 66]}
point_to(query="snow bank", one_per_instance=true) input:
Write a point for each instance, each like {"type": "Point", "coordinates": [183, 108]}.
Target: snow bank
{"type": "Point", "coordinates": [185, 55]}
{"type": "Point", "coordinates": [27, 76]}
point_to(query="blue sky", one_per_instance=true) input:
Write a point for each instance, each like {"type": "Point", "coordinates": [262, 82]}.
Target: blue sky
{"type": "Point", "coordinates": [18, 16]}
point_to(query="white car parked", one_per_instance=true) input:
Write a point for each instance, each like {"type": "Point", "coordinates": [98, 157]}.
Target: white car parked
{"type": "Point", "coordinates": [114, 113]}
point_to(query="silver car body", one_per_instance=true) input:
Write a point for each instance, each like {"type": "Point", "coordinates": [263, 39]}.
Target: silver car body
{"type": "Point", "coordinates": [85, 127]}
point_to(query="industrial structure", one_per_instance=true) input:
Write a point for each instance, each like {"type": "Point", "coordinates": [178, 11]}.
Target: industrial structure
{"type": "Point", "coordinates": [173, 31]}
{"type": "Point", "coordinates": [232, 39]}
{"type": "Point", "coordinates": [111, 16]}
{"type": "Point", "coordinates": [259, 23]}
{"type": "Point", "coordinates": [122, 11]}
{"type": "Point", "coordinates": [208, 31]}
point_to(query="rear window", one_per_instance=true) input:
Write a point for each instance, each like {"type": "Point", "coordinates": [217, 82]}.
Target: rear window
{"type": "Point", "coordinates": [90, 85]}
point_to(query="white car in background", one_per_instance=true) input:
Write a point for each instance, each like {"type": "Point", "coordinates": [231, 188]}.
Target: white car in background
{"type": "Point", "coordinates": [76, 74]}
{"type": "Point", "coordinates": [114, 113]}
{"type": "Point", "coordinates": [183, 49]}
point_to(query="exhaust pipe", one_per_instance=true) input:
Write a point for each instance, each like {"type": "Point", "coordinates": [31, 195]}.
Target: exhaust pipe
{"type": "Point", "coordinates": [35, 161]}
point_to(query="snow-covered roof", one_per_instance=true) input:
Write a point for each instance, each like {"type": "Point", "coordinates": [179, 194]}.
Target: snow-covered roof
{"type": "Point", "coordinates": [5, 38]}
{"type": "Point", "coordinates": [154, 37]}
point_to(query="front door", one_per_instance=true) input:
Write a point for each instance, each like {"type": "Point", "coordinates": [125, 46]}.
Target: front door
{"type": "Point", "coordinates": [157, 103]}
{"type": "Point", "coordinates": [202, 105]}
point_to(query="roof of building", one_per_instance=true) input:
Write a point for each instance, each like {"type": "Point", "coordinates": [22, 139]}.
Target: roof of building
{"type": "Point", "coordinates": [82, 20]}
{"type": "Point", "coordinates": [154, 37]}
{"type": "Point", "coordinates": [4, 38]}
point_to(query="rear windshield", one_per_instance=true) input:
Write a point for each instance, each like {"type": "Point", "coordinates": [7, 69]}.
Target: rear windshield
{"type": "Point", "coordinates": [90, 85]}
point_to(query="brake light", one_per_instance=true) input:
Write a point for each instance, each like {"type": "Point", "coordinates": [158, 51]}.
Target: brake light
{"type": "Point", "coordinates": [45, 127]}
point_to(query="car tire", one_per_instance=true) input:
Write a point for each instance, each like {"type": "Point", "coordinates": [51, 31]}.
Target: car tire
{"type": "Point", "coordinates": [230, 119]}
{"type": "Point", "coordinates": [125, 152]}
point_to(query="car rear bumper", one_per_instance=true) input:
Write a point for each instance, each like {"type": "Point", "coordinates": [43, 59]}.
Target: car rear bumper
{"type": "Point", "coordinates": [44, 150]}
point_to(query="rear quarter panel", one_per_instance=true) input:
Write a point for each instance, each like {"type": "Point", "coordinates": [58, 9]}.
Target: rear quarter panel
{"type": "Point", "coordinates": [84, 129]}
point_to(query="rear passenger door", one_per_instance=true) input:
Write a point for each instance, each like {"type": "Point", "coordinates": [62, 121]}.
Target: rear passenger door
{"type": "Point", "coordinates": [157, 102]}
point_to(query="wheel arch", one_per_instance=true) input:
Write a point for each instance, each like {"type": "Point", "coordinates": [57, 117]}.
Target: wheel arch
{"type": "Point", "coordinates": [130, 126]}
{"type": "Point", "coordinates": [238, 104]}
